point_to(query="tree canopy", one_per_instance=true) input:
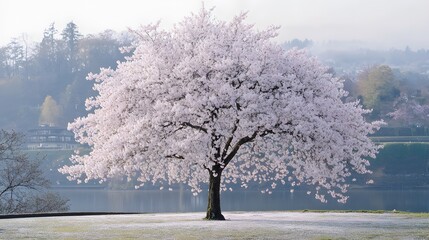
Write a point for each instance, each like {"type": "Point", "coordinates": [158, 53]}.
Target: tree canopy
{"type": "Point", "coordinates": [378, 87]}
{"type": "Point", "coordinates": [212, 98]}
{"type": "Point", "coordinates": [49, 112]}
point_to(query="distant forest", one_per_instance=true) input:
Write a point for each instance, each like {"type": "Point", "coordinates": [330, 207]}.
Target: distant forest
{"type": "Point", "coordinates": [45, 82]}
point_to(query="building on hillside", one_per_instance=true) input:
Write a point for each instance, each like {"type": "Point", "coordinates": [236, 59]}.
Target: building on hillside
{"type": "Point", "coordinates": [50, 138]}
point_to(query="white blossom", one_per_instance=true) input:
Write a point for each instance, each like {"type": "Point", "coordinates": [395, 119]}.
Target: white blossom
{"type": "Point", "coordinates": [211, 93]}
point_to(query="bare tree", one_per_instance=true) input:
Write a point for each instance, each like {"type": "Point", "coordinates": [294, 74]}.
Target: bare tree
{"type": "Point", "coordinates": [23, 187]}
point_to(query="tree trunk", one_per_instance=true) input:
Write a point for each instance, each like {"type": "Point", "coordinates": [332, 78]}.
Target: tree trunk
{"type": "Point", "coordinates": [213, 206]}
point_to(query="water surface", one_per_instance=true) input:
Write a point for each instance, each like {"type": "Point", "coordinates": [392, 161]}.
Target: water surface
{"type": "Point", "coordinates": [94, 200]}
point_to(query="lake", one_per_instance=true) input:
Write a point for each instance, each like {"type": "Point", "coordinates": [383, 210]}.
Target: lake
{"type": "Point", "coordinates": [100, 200]}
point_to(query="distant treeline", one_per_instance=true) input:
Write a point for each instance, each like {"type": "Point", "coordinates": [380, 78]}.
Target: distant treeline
{"type": "Point", "coordinates": [45, 82]}
{"type": "Point", "coordinates": [393, 83]}
{"type": "Point", "coordinates": [349, 57]}
{"type": "Point", "coordinates": [402, 131]}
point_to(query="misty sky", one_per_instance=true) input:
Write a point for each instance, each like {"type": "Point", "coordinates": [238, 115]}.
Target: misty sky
{"type": "Point", "coordinates": [378, 23]}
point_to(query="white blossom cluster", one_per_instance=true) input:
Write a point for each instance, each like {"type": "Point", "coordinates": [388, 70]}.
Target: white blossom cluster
{"type": "Point", "coordinates": [410, 112]}
{"type": "Point", "coordinates": [212, 93]}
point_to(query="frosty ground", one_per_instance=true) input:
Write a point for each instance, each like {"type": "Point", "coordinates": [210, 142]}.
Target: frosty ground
{"type": "Point", "coordinates": [239, 225]}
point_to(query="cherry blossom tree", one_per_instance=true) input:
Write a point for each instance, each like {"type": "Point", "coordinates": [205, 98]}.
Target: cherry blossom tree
{"type": "Point", "coordinates": [409, 112]}
{"type": "Point", "coordinates": [220, 102]}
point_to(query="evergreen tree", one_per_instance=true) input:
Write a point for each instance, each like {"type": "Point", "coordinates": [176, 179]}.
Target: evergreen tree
{"type": "Point", "coordinates": [48, 49]}
{"type": "Point", "coordinates": [71, 38]}
{"type": "Point", "coordinates": [15, 60]}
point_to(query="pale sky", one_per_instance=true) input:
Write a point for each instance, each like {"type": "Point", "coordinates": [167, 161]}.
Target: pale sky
{"type": "Point", "coordinates": [381, 23]}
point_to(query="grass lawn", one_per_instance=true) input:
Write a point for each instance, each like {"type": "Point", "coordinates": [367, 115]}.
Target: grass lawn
{"type": "Point", "coordinates": [239, 225]}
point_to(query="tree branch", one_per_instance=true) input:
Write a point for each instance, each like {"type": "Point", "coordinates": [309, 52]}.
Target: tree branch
{"type": "Point", "coordinates": [237, 147]}
{"type": "Point", "coordinates": [200, 128]}
{"type": "Point", "coordinates": [175, 156]}
{"type": "Point", "coordinates": [228, 142]}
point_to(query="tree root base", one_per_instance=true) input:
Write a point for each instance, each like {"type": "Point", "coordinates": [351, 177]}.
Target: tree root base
{"type": "Point", "coordinates": [214, 217]}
